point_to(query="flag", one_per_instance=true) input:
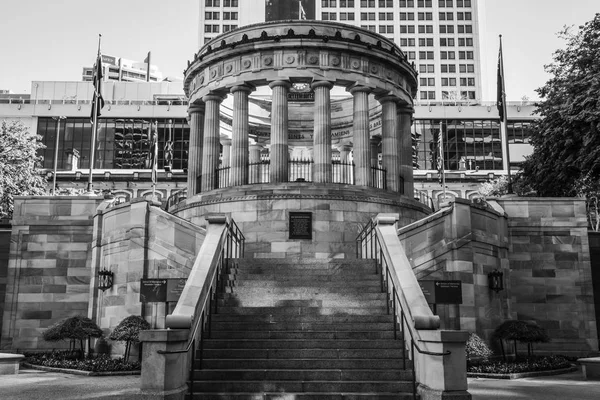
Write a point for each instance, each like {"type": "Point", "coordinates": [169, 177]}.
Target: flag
{"type": "Point", "coordinates": [154, 151]}
{"type": "Point", "coordinates": [97, 100]}
{"type": "Point", "coordinates": [301, 12]}
{"type": "Point", "coordinates": [501, 95]}
{"type": "Point", "coordinates": [147, 61]}
{"type": "Point", "coordinates": [440, 158]}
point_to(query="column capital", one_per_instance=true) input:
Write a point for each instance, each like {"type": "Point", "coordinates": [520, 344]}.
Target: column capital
{"type": "Point", "coordinates": [286, 84]}
{"type": "Point", "coordinates": [386, 98]}
{"type": "Point", "coordinates": [375, 139]}
{"type": "Point", "coordinates": [405, 109]}
{"type": "Point", "coordinates": [358, 89]}
{"type": "Point", "coordinates": [214, 96]}
{"type": "Point", "coordinates": [316, 84]}
{"type": "Point", "coordinates": [246, 87]}
{"type": "Point", "coordinates": [256, 146]}
{"type": "Point", "coordinates": [226, 141]}
{"type": "Point", "coordinates": [196, 108]}
{"type": "Point", "coordinates": [344, 147]}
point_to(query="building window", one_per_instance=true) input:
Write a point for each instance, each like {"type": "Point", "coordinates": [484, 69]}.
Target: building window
{"type": "Point", "coordinates": [427, 81]}
{"type": "Point", "coordinates": [407, 3]}
{"type": "Point", "coordinates": [407, 29]}
{"type": "Point", "coordinates": [465, 29]}
{"type": "Point", "coordinates": [448, 68]}
{"type": "Point", "coordinates": [425, 42]}
{"type": "Point", "coordinates": [463, 3]}
{"type": "Point", "coordinates": [328, 3]}
{"type": "Point", "coordinates": [367, 3]}
{"type": "Point", "coordinates": [424, 3]}
{"type": "Point", "coordinates": [407, 16]}
{"type": "Point", "coordinates": [446, 28]}
{"type": "Point", "coordinates": [212, 3]}
{"type": "Point", "coordinates": [446, 42]}
{"type": "Point", "coordinates": [210, 15]}
{"type": "Point", "coordinates": [445, 3]}
{"type": "Point", "coordinates": [367, 16]}
{"type": "Point", "coordinates": [230, 15]}
{"type": "Point", "coordinates": [425, 16]}
{"type": "Point", "coordinates": [346, 3]}
{"type": "Point", "coordinates": [386, 3]}
{"type": "Point", "coordinates": [329, 16]}
{"type": "Point", "coordinates": [230, 3]}
{"type": "Point", "coordinates": [346, 16]}
{"type": "Point", "coordinates": [425, 28]}
{"type": "Point", "coordinates": [465, 42]}
{"type": "Point", "coordinates": [227, 28]}
{"type": "Point", "coordinates": [386, 16]}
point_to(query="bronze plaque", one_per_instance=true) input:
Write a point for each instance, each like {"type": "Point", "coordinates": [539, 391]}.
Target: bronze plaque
{"type": "Point", "coordinates": [300, 225]}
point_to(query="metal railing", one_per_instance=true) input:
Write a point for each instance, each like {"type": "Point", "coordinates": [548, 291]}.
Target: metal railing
{"type": "Point", "coordinates": [342, 172]}
{"type": "Point", "coordinates": [300, 170]}
{"type": "Point", "coordinates": [231, 245]}
{"type": "Point", "coordinates": [379, 178]}
{"type": "Point", "coordinates": [368, 246]}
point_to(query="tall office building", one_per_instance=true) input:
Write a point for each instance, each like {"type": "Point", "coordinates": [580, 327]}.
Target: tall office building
{"type": "Point", "coordinates": [440, 36]}
{"type": "Point", "coordinates": [123, 70]}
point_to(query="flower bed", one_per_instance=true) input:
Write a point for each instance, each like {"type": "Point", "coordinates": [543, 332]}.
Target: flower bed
{"type": "Point", "coordinates": [530, 364]}
{"type": "Point", "coordinates": [101, 363]}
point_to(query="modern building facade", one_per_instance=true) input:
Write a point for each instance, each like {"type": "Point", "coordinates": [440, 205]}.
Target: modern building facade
{"type": "Point", "coordinates": [440, 36]}
{"type": "Point", "coordinates": [123, 70]}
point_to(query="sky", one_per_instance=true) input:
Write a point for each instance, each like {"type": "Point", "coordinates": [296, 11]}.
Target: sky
{"type": "Point", "coordinates": [46, 40]}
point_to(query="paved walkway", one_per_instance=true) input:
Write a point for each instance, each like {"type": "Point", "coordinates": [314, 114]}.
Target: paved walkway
{"type": "Point", "coordinates": [40, 385]}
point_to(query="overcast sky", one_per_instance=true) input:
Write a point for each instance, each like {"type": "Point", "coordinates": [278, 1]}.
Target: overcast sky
{"type": "Point", "coordinates": [45, 40]}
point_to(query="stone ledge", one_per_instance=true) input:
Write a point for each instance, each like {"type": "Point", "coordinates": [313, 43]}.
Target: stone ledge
{"type": "Point", "coordinates": [520, 375]}
{"type": "Point", "coordinates": [78, 371]}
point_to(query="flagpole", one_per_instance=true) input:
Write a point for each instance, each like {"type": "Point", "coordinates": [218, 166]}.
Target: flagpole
{"type": "Point", "coordinates": [90, 185]}
{"type": "Point", "coordinates": [504, 119]}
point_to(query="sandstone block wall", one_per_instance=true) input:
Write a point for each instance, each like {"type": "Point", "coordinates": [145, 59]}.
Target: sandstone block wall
{"type": "Point", "coordinates": [49, 268]}
{"type": "Point", "coordinates": [5, 231]}
{"type": "Point", "coordinates": [138, 240]}
{"type": "Point", "coordinates": [550, 279]}
{"type": "Point", "coordinates": [338, 213]}
{"type": "Point", "coordinates": [463, 243]}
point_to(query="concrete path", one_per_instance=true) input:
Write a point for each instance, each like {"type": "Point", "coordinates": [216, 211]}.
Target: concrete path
{"type": "Point", "coordinates": [40, 385]}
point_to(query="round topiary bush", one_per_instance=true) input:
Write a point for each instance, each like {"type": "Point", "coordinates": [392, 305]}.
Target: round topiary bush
{"type": "Point", "coordinates": [77, 328]}
{"type": "Point", "coordinates": [520, 331]}
{"type": "Point", "coordinates": [128, 331]}
{"type": "Point", "coordinates": [477, 349]}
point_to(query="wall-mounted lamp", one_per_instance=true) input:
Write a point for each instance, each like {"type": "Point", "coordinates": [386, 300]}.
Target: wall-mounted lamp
{"type": "Point", "coordinates": [18, 107]}
{"type": "Point", "coordinates": [136, 175]}
{"type": "Point", "coordinates": [107, 175]}
{"type": "Point", "coordinates": [496, 281]}
{"type": "Point", "coordinates": [78, 175]}
{"type": "Point", "coordinates": [105, 279]}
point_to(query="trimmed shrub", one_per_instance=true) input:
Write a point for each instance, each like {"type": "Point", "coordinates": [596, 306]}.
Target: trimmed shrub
{"type": "Point", "coordinates": [477, 349]}
{"type": "Point", "coordinates": [532, 364]}
{"type": "Point", "coordinates": [128, 331]}
{"type": "Point", "coordinates": [77, 328]}
{"type": "Point", "coordinates": [520, 331]}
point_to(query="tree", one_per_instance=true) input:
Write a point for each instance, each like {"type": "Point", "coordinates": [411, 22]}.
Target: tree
{"type": "Point", "coordinates": [128, 331]}
{"type": "Point", "coordinates": [566, 139]}
{"type": "Point", "coordinates": [77, 328]}
{"type": "Point", "coordinates": [19, 165]}
{"type": "Point", "coordinates": [520, 331]}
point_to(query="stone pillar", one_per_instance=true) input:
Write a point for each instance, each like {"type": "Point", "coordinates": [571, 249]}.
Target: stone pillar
{"type": "Point", "coordinates": [278, 169]}
{"type": "Point", "coordinates": [360, 136]}
{"type": "Point", "coordinates": [405, 149]}
{"type": "Point", "coordinates": [240, 129]}
{"type": "Point", "coordinates": [321, 172]}
{"type": "Point", "coordinates": [211, 146]}
{"type": "Point", "coordinates": [390, 142]}
{"type": "Point", "coordinates": [255, 167]}
{"type": "Point", "coordinates": [194, 170]}
{"type": "Point", "coordinates": [345, 167]}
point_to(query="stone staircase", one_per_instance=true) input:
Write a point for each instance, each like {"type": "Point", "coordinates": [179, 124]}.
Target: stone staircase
{"type": "Point", "coordinates": [302, 329]}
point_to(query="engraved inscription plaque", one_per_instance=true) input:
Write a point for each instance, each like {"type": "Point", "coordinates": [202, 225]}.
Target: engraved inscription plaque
{"type": "Point", "coordinates": [300, 225]}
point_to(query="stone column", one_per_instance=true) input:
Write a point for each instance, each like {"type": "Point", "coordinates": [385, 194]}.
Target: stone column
{"type": "Point", "coordinates": [345, 167]}
{"type": "Point", "coordinates": [240, 129]}
{"type": "Point", "coordinates": [390, 141]}
{"type": "Point", "coordinates": [225, 174]}
{"type": "Point", "coordinates": [194, 169]}
{"type": "Point", "coordinates": [278, 169]}
{"type": "Point", "coordinates": [211, 147]}
{"type": "Point", "coordinates": [254, 159]}
{"type": "Point", "coordinates": [322, 132]}
{"type": "Point", "coordinates": [360, 134]}
{"type": "Point", "coordinates": [405, 148]}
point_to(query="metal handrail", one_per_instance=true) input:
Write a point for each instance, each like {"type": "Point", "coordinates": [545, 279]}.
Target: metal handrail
{"type": "Point", "coordinates": [369, 246]}
{"type": "Point", "coordinates": [231, 244]}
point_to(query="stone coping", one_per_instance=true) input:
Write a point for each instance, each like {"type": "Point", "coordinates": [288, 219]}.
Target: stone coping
{"type": "Point", "coordinates": [589, 360]}
{"type": "Point", "coordinates": [4, 357]}
{"type": "Point", "coordinates": [523, 374]}
{"type": "Point", "coordinates": [78, 371]}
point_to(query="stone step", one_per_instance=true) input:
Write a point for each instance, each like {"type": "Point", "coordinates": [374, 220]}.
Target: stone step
{"type": "Point", "coordinates": [303, 318]}
{"type": "Point", "coordinates": [300, 274]}
{"type": "Point", "coordinates": [302, 386]}
{"type": "Point", "coordinates": [308, 262]}
{"type": "Point", "coordinates": [303, 374]}
{"type": "Point", "coordinates": [289, 354]}
{"type": "Point", "coordinates": [357, 284]}
{"type": "Point", "coordinates": [303, 364]}
{"type": "Point", "coordinates": [301, 310]}
{"type": "Point", "coordinates": [308, 335]}
{"type": "Point", "coordinates": [304, 396]}
{"type": "Point", "coordinates": [301, 344]}
{"type": "Point", "coordinates": [243, 294]}
{"type": "Point", "coordinates": [300, 326]}
{"type": "Point", "coordinates": [338, 301]}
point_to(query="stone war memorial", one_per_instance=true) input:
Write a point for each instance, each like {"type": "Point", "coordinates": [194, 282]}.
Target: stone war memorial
{"type": "Point", "coordinates": [284, 271]}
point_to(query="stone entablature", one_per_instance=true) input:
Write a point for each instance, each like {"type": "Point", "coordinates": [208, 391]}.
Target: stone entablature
{"type": "Point", "coordinates": [340, 53]}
